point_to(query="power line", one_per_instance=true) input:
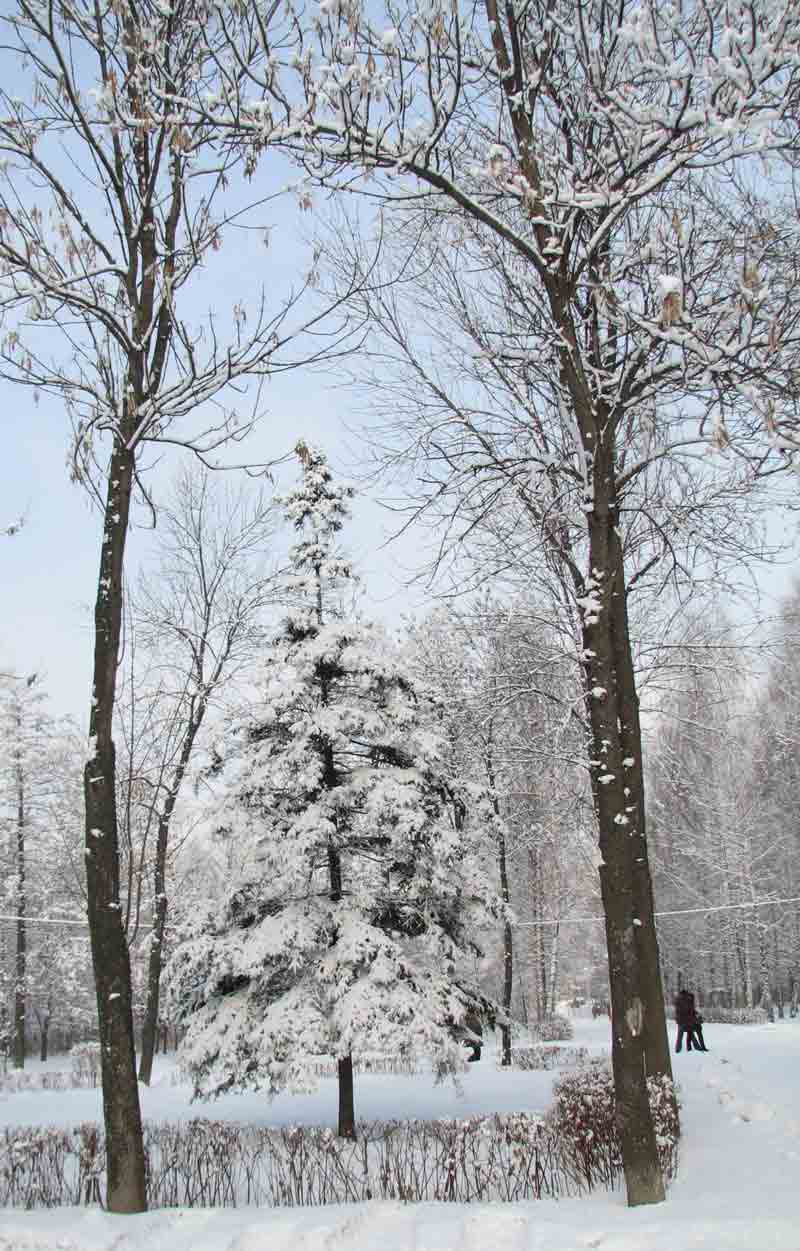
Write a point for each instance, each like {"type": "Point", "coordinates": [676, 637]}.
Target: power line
{"type": "Point", "coordinates": [674, 912]}
{"type": "Point", "coordinates": [5, 916]}
{"type": "Point", "coordinates": [519, 925]}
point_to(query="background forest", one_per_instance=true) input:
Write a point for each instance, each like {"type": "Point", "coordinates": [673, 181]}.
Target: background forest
{"type": "Point", "coordinates": [722, 726]}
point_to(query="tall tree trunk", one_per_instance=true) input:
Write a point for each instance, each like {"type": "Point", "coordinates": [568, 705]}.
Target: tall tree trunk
{"type": "Point", "coordinates": [551, 1007]}
{"type": "Point", "coordinates": [344, 1066]}
{"type": "Point", "coordinates": [748, 968]}
{"type": "Point", "coordinates": [508, 985]}
{"type": "Point", "coordinates": [508, 937]}
{"type": "Point", "coordinates": [538, 930]}
{"type": "Point", "coordinates": [45, 1033]}
{"type": "Point", "coordinates": [347, 1116]}
{"type": "Point", "coordinates": [615, 756]}
{"type": "Point", "coordinates": [154, 967]}
{"type": "Point", "coordinates": [658, 1061]}
{"type": "Point", "coordinates": [125, 1165]}
{"type": "Point", "coordinates": [155, 959]}
{"type": "Point", "coordinates": [21, 951]}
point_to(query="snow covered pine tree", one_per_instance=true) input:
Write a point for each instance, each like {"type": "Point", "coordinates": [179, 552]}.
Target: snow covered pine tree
{"type": "Point", "coordinates": [352, 926]}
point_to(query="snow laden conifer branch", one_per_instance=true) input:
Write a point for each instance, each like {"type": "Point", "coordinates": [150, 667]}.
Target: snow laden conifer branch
{"type": "Point", "coordinates": [355, 920]}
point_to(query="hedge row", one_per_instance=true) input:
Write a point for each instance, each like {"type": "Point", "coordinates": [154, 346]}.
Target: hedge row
{"type": "Point", "coordinates": [205, 1163]}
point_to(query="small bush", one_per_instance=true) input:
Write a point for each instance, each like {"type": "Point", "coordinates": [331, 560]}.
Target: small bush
{"type": "Point", "coordinates": [85, 1059]}
{"type": "Point", "coordinates": [735, 1016]}
{"type": "Point", "coordinates": [83, 1074]}
{"type": "Point", "coordinates": [17, 1080]}
{"type": "Point", "coordinates": [583, 1119]}
{"type": "Point", "coordinates": [554, 1029]}
{"type": "Point", "coordinates": [537, 1057]}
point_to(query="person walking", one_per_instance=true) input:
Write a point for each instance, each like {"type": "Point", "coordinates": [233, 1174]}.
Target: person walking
{"type": "Point", "coordinates": [697, 1033]}
{"type": "Point", "coordinates": [685, 1017]}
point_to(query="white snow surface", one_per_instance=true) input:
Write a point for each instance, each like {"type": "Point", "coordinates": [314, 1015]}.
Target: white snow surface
{"type": "Point", "coordinates": [736, 1188]}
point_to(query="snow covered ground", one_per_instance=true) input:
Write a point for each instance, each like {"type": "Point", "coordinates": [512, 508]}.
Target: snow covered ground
{"type": "Point", "coordinates": [737, 1188]}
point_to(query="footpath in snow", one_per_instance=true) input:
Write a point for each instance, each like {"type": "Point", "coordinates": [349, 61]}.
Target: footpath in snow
{"type": "Point", "coordinates": [737, 1187]}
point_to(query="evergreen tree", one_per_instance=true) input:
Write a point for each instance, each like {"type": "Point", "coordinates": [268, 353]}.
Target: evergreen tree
{"type": "Point", "coordinates": [352, 926]}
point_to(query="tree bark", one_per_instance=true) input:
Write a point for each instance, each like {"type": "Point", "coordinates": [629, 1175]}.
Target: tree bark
{"type": "Point", "coordinates": [344, 1066]}
{"type": "Point", "coordinates": [21, 950]}
{"type": "Point", "coordinates": [508, 983]}
{"type": "Point", "coordinates": [154, 966]}
{"type": "Point", "coordinates": [614, 757]}
{"type": "Point", "coordinates": [347, 1117]}
{"type": "Point", "coordinates": [125, 1165]}
{"type": "Point", "coordinates": [551, 1007]}
{"type": "Point", "coordinates": [658, 1060]}
{"type": "Point", "coordinates": [508, 937]}
{"type": "Point", "coordinates": [155, 958]}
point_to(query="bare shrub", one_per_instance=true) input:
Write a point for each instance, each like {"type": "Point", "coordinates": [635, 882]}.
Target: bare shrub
{"type": "Point", "coordinates": [538, 1056]}
{"type": "Point", "coordinates": [34, 1168]}
{"type": "Point", "coordinates": [19, 1080]}
{"type": "Point", "coordinates": [735, 1016]}
{"type": "Point", "coordinates": [57, 1079]}
{"type": "Point", "coordinates": [86, 1060]}
{"type": "Point", "coordinates": [583, 1119]}
{"type": "Point", "coordinates": [554, 1029]}
{"type": "Point", "coordinates": [206, 1163]}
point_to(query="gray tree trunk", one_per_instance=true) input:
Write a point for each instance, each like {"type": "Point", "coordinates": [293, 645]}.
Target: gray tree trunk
{"type": "Point", "coordinates": [20, 971]}
{"type": "Point", "coordinates": [125, 1162]}
{"type": "Point", "coordinates": [637, 1006]}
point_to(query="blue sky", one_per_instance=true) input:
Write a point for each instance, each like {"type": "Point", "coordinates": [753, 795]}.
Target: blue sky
{"type": "Point", "coordinates": [49, 570]}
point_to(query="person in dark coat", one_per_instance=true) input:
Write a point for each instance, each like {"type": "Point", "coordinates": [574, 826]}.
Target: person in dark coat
{"type": "Point", "coordinates": [697, 1034]}
{"type": "Point", "coordinates": [685, 1018]}
{"type": "Point", "coordinates": [472, 1035]}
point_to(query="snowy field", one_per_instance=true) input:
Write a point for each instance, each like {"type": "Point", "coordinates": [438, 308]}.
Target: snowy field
{"type": "Point", "coordinates": [738, 1187]}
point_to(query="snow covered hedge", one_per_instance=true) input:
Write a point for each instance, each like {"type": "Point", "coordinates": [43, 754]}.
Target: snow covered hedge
{"type": "Point", "coordinates": [539, 1057]}
{"type": "Point", "coordinates": [16, 1080]}
{"type": "Point", "coordinates": [554, 1029]}
{"type": "Point", "coordinates": [83, 1073]}
{"type": "Point", "coordinates": [583, 1121]}
{"type": "Point", "coordinates": [85, 1061]}
{"type": "Point", "coordinates": [204, 1163]}
{"type": "Point", "coordinates": [735, 1016]}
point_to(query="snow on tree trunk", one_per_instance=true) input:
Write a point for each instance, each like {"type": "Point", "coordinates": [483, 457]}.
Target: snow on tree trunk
{"type": "Point", "coordinates": [125, 1163]}
{"type": "Point", "coordinates": [620, 815]}
{"type": "Point", "coordinates": [20, 997]}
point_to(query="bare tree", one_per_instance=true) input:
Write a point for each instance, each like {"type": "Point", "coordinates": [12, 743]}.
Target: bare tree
{"type": "Point", "coordinates": [725, 847]}
{"type": "Point", "coordinates": [23, 773]}
{"type": "Point", "coordinates": [109, 209]}
{"type": "Point", "coordinates": [449, 651]}
{"type": "Point", "coordinates": [199, 616]}
{"type": "Point", "coordinates": [510, 696]}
